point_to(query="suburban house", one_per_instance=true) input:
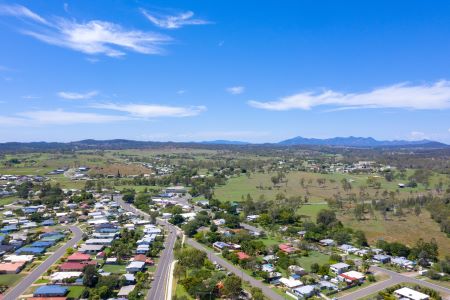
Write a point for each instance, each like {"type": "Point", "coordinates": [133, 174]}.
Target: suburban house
{"type": "Point", "coordinates": [339, 268]}
{"type": "Point", "coordinates": [220, 246]}
{"type": "Point", "coordinates": [407, 293]}
{"type": "Point", "coordinates": [135, 266]}
{"type": "Point", "coordinates": [78, 257]}
{"type": "Point", "coordinates": [382, 258]}
{"type": "Point", "coordinates": [11, 268]}
{"type": "Point", "coordinates": [352, 277]}
{"type": "Point", "coordinates": [50, 291]}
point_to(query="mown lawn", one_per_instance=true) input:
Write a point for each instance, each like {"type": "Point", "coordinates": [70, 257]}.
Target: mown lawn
{"type": "Point", "coordinates": [10, 279]}
{"type": "Point", "coordinates": [115, 269]}
{"type": "Point", "coordinates": [314, 257]}
{"type": "Point", "coordinates": [75, 292]}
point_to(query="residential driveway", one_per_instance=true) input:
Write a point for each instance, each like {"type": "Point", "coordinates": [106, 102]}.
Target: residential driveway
{"type": "Point", "coordinates": [26, 282]}
{"type": "Point", "coordinates": [395, 278]}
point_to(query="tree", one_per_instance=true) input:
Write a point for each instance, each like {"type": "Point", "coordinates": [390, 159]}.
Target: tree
{"type": "Point", "coordinates": [257, 293]}
{"type": "Point", "coordinates": [90, 276]}
{"type": "Point", "coordinates": [417, 210]}
{"type": "Point", "coordinates": [326, 217]}
{"type": "Point", "coordinates": [232, 286]}
{"type": "Point", "coordinates": [191, 258]}
{"type": "Point", "coordinates": [360, 238]}
{"type": "Point", "coordinates": [315, 268]}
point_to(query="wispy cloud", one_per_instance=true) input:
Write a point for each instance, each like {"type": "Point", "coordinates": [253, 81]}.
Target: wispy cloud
{"type": "Point", "coordinates": [181, 92]}
{"type": "Point", "coordinates": [236, 90]}
{"type": "Point", "coordinates": [152, 110]}
{"type": "Point", "coordinates": [21, 12]}
{"type": "Point", "coordinates": [173, 21]}
{"type": "Point", "coordinates": [57, 117]}
{"type": "Point", "coordinates": [30, 97]}
{"type": "Point", "coordinates": [92, 37]}
{"type": "Point", "coordinates": [403, 95]}
{"type": "Point", "coordinates": [77, 96]}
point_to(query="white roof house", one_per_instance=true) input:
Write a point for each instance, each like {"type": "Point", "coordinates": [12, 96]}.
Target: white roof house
{"type": "Point", "coordinates": [59, 276]}
{"type": "Point", "coordinates": [291, 283]}
{"type": "Point", "coordinates": [18, 258]}
{"type": "Point", "coordinates": [411, 294]}
{"type": "Point", "coordinates": [125, 290]}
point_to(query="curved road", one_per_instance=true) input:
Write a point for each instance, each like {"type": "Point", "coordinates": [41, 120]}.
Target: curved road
{"type": "Point", "coordinates": [396, 278]}
{"type": "Point", "coordinates": [27, 281]}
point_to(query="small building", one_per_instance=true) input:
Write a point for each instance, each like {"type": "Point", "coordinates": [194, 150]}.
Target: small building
{"type": "Point", "coordinates": [352, 277]}
{"type": "Point", "coordinates": [339, 268]}
{"type": "Point", "coordinates": [305, 292]}
{"type": "Point", "coordinates": [72, 266]}
{"type": "Point", "coordinates": [61, 276]}
{"type": "Point", "coordinates": [220, 246]}
{"type": "Point", "coordinates": [50, 291]}
{"type": "Point", "coordinates": [268, 268]}
{"type": "Point", "coordinates": [242, 255]}
{"type": "Point", "coordinates": [384, 259]}
{"type": "Point", "coordinates": [30, 250]}
{"type": "Point", "coordinates": [135, 266]}
{"type": "Point", "coordinates": [125, 291]}
{"type": "Point", "coordinates": [407, 293]}
{"type": "Point", "coordinates": [290, 283]}
{"type": "Point", "coordinates": [327, 242]}
{"type": "Point", "coordinates": [90, 249]}
{"type": "Point", "coordinates": [78, 257]}
{"type": "Point", "coordinates": [11, 268]}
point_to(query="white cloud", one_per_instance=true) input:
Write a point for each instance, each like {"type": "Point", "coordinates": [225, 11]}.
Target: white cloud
{"type": "Point", "coordinates": [402, 95]}
{"type": "Point", "coordinates": [30, 97]}
{"type": "Point", "coordinates": [57, 117]}
{"type": "Point", "coordinates": [77, 96]}
{"type": "Point", "coordinates": [21, 12]}
{"type": "Point", "coordinates": [181, 92]}
{"type": "Point", "coordinates": [174, 21]}
{"type": "Point", "coordinates": [92, 37]}
{"type": "Point", "coordinates": [417, 135]}
{"type": "Point", "coordinates": [236, 90]}
{"type": "Point", "coordinates": [153, 110]}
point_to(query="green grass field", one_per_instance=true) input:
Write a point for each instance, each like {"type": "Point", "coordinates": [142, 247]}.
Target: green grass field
{"type": "Point", "coordinates": [75, 292]}
{"type": "Point", "coordinates": [10, 279]}
{"type": "Point", "coordinates": [314, 257]}
{"type": "Point", "coordinates": [115, 269]}
{"type": "Point", "coordinates": [240, 186]}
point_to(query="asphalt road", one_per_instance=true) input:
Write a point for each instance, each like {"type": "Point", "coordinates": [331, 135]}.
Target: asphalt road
{"type": "Point", "coordinates": [159, 287]}
{"type": "Point", "coordinates": [269, 293]}
{"type": "Point", "coordinates": [23, 285]}
{"type": "Point", "coordinates": [396, 278]}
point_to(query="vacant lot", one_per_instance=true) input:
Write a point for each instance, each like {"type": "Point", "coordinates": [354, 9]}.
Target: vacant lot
{"type": "Point", "coordinates": [407, 229]}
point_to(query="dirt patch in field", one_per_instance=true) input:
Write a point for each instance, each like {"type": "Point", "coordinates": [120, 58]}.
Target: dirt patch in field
{"type": "Point", "coordinates": [123, 169]}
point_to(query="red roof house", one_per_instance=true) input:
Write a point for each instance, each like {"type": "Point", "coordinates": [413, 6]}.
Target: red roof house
{"type": "Point", "coordinates": [78, 257]}
{"type": "Point", "coordinates": [242, 255]}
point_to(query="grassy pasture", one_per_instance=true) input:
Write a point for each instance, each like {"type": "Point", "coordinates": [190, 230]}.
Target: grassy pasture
{"type": "Point", "coordinates": [236, 187]}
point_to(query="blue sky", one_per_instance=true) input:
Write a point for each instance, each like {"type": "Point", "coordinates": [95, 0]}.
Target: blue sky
{"type": "Point", "coordinates": [224, 69]}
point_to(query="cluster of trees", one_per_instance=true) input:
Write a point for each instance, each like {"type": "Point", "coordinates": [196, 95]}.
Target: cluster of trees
{"type": "Point", "coordinates": [200, 279]}
{"type": "Point", "coordinates": [423, 252]}
{"type": "Point", "coordinates": [102, 287]}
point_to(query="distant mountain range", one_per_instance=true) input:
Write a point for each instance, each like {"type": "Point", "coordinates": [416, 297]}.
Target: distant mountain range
{"type": "Point", "coordinates": [350, 142]}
